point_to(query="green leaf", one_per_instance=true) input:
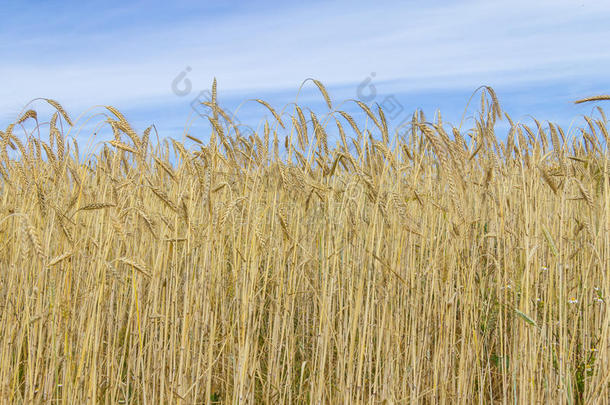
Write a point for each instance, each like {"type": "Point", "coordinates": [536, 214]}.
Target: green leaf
{"type": "Point", "coordinates": [526, 318]}
{"type": "Point", "coordinates": [550, 241]}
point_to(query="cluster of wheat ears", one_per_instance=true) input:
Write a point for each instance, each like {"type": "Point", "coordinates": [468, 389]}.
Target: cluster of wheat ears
{"type": "Point", "coordinates": [429, 265]}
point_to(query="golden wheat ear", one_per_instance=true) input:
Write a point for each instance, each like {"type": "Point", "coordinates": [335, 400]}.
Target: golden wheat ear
{"type": "Point", "coordinates": [594, 98]}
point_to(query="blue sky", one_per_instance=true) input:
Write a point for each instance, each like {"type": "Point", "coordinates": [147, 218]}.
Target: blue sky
{"type": "Point", "coordinates": [538, 55]}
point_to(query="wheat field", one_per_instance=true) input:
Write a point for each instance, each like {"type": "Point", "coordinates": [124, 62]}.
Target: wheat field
{"type": "Point", "coordinates": [430, 265]}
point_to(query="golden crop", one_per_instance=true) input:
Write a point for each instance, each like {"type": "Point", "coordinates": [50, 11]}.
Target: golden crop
{"type": "Point", "coordinates": [439, 266]}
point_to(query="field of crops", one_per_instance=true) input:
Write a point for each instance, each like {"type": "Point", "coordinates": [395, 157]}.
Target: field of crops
{"type": "Point", "coordinates": [431, 265]}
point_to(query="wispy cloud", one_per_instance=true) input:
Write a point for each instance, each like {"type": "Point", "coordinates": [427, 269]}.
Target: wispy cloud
{"type": "Point", "coordinates": [128, 55]}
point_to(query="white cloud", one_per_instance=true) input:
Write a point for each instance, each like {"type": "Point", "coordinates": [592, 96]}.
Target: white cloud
{"type": "Point", "coordinates": [416, 46]}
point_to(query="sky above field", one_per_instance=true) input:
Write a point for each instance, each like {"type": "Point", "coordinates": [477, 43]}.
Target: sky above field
{"type": "Point", "coordinates": [153, 60]}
